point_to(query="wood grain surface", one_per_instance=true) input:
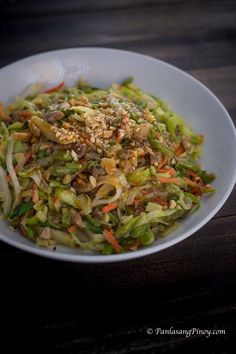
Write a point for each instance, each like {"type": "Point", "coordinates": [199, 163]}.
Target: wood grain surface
{"type": "Point", "coordinates": [67, 308]}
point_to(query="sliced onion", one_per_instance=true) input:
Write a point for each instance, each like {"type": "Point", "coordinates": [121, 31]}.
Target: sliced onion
{"type": "Point", "coordinates": [15, 182]}
{"type": "Point", "coordinates": [98, 201]}
{"type": "Point", "coordinates": [108, 183]}
{"type": "Point", "coordinates": [5, 192]}
{"type": "Point", "coordinates": [123, 181]}
{"type": "Point", "coordinates": [104, 190]}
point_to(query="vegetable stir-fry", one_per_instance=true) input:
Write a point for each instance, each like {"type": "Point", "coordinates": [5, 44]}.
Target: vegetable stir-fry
{"type": "Point", "coordinates": [106, 170]}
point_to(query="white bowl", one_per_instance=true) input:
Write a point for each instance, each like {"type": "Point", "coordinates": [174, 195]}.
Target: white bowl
{"type": "Point", "coordinates": [185, 95]}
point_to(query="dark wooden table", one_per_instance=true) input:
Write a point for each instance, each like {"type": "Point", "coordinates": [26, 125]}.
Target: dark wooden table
{"type": "Point", "coordinates": [66, 308]}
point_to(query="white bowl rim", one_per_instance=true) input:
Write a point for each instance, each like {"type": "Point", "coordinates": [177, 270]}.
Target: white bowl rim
{"type": "Point", "coordinates": [89, 258]}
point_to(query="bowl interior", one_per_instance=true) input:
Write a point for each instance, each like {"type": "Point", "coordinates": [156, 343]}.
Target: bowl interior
{"type": "Point", "coordinates": [185, 95]}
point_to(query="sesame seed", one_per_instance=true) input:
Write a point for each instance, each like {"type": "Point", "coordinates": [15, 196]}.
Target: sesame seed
{"type": "Point", "coordinates": [74, 155]}
{"type": "Point", "coordinates": [93, 181]}
{"type": "Point", "coordinates": [184, 154]}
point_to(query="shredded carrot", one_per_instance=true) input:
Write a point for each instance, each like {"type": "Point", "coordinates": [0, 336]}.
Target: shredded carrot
{"type": "Point", "coordinates": [145, 191]}
{"type": "Point", "coordinates": [8, 178]}
{"type": "Point", "coordinates": [22, 230]}
{"type": "Point", "coordinates": [137, 202]}
{"type": "Point", "coordinates": [192, 173]}
{"type": "Point", "coordinates": [174, 180]}
{"type": "Point", "coordinates": [27, 157]}
{"type": "Point", "coordinates": [196, 177]}
{"type": "Point", "coordinates": [3, 114]}
{"type": "Point", "coordinates": [170, 171]}
{"type": "Point", "coordinates": [159, 201]}
{"type": "Point", "coordinates": [57, 202]}
{"type": "Point", "coordinates": [25, 115]}
{"type": "Point", "coordinates": [109, 207]}
{"type": "Point", "coordinates": [54, 88]}
{"type": "Point", "coordinates": [119, 138]}
{"type": "Point", "coordinates": [162, 170]}
{"type": "Point", "coordinates": [163, 162]}
{"type": "Point", "coordinates": [73, 228]}
{"type": "Point", "coordinates": [189, 182]}
{"type": "Point", "coordinates": [196, 191]}
{"type": "Point", "coordinates": [179, 150]}
{"type": "Point", "coordinates": [78, 180]}
{"type": "Point", "coordinates": [35, 194]}
{"type": "Point", "coordinates": [111, 239]}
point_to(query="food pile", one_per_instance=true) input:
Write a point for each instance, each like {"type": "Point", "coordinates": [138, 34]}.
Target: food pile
{"type": "Point", "coordinates": [106, 170]}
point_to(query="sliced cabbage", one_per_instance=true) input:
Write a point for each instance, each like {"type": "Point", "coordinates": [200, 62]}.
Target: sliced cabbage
{"type": "Point", "coordinates": [35, 174]}
{"type": "Point", "coordinates": [153, 206]}
{"type": "Point", "coordinates": [139, 176]}
{"type": "Point", "coordinates": [144, 218]}
{"type": "Point", "coordinates": [5, 192]}
{"type": "Point", "coordinates": [154, 216]}
{"type": "Point", "coordinates": [63, 238]}
{"type": "Point", "coordinates": [133, 193]}
{"type": "Point", "coordinates": [185, 201]}
{"type": "Point", "coordinates": [82, 201]}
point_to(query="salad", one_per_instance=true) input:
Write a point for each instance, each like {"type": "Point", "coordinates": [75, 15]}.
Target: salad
{"type": "Point", "coordinates": [105, 170]}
